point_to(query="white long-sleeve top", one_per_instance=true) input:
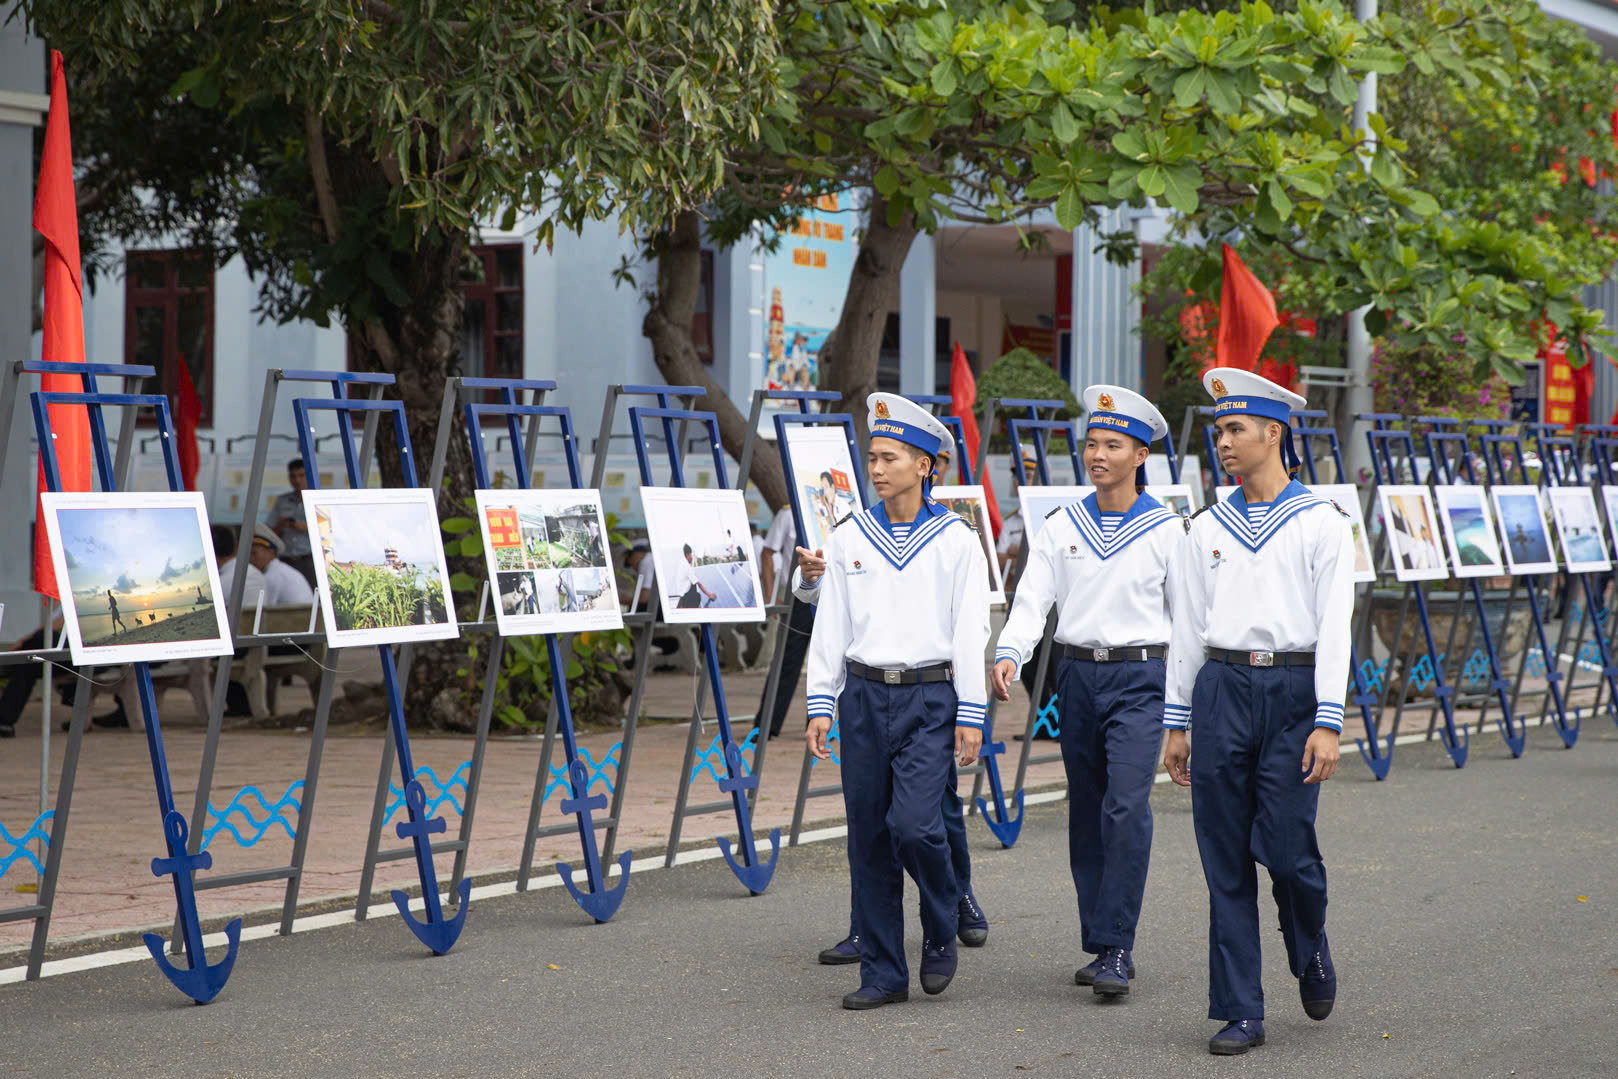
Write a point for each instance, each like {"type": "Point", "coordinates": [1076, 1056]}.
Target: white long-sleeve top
{"type": "Point", "coordinates": [1283, 585]}
{"type": "Point", "coordinates": [1110, 591]}
{"type": "Point", "coordinates": [900, 604]}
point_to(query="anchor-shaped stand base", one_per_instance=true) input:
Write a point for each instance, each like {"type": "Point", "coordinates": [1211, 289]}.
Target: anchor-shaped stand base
{"type": "Point", "coordinates": [1005, 828]}
{"type": "Point", "coordinates": [599, 902]}
{"type": "Point", "coordinates": [753, 874]}
{"type": "Point", "coordinates": [200, 981]}
{"type": "Point", "coordinates": [1378, 763]}
{"type": "Point", "coordinates": [437, 933]}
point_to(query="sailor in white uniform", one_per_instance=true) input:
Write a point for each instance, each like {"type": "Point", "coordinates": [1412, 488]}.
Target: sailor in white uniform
{"type": "Point", "coordinates": [973, 927]}
{"type": "Point", "coordinates": [1105, 563]}
{"type": "Point", "coordinates": [897, 654]}
{"type": "Point", "coordinates": [1259, 663]}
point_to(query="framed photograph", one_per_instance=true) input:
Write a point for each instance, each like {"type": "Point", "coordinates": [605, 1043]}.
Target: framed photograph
{"type": "Point", "coordinates": [1527, 541]}
{"type": "Point", "coordinates": [547, 555]}
{"type": "Point", "coordinates": [380, 566]}
{"type": "Point", "coordinates": [1038, 502]}
{"type": "Point", "coordinates": [1346, 497]}
{"type": "Point", "coordinates": [1176, 497]}
{"type": "Point", "coordinates": [1578, 529]}
{"type": "Point", "coordinates": [1609, 502]}
{"type": "Point", "coordinates": [138, 574]}
{"type": "Point", "coordinates": [1412, 529]}
{"type": "Point", "coordinates": [1469, 531]}
{"type": "Point", "coordinates": [972, 505]}
{"type": "Point", "coordinates": [702, 549]}
{"type": "Point", "coordinates": [821, 477]}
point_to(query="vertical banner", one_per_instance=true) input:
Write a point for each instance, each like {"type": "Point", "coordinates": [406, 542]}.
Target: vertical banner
{"type": "Point", "coordinates": [805, 280]}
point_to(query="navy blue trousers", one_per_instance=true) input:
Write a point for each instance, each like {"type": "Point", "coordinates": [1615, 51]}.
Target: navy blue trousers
{"type": "Point", "coordinates": [1112, 728]}
{"type": "Point", "coordinates": [898, 752]}
{"type": "Point", "coordinates": [1251, 807]}
{"type": "Point", "coordinates": [954, 834]}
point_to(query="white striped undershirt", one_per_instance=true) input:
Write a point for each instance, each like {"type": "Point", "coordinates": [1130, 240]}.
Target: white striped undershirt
{"type": "Point", "coordinates": [901, 531]}
{"type": "Point", "coordinates": [1256, 512]}
{"type": "Point", "coordinates": [1109, 523]}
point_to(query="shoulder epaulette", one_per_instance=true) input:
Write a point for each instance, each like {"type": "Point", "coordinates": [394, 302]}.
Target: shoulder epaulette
{"type": "Point", "coordinates": [846, 518]}
{"type": "Point", "coordinates": [1054, 512]}
{"type": "Point", "coordinates": [1338, 508]}
{"type": "Point", "coordinates": [1200, 512]}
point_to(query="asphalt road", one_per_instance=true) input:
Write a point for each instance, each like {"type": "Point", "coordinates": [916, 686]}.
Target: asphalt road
{"type": "Point", "coordinates": [1462, 946]}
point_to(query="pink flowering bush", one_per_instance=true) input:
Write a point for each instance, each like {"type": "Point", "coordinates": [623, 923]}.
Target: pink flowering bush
{"type": "Point", "coordinates": [1426, 382]}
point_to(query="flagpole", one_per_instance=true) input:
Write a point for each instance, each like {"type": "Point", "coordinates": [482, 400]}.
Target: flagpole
{"type": "Point", "coordinates": [1360, 396]}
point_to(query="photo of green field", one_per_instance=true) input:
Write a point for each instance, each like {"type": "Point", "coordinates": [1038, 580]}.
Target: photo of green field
{"type": "Point", "coordinates": [383, 565]}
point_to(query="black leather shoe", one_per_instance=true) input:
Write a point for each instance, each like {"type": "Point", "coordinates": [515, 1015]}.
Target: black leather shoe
{"type": "Point", "coordinates": [1086, 975]}
{"type": "Point", "coordinates": [972, 925]}
{"type": "Point", "coordinates": [867, 997]}
{"type": "Point", "coordinates": [1317, 989]}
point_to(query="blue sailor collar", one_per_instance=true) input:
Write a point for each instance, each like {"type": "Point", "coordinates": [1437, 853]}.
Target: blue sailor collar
{"type": "Point", "coordinates": [1293, 500]}
{"type": "Point", "coordinates": [1146, 514]}
{"type": "Point", "coordinates": [930, 521]}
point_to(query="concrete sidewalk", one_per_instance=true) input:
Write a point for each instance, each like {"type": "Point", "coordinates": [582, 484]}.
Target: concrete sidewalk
{"type": "Point", "coordinates": [106, 884]}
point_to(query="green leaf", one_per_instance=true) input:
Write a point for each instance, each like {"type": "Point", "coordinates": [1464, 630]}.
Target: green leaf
{"type": "Point", "coordinates": [1180, 186]}
{"type": "Point", "coordinates": [886, 181]}
{"type": "Point", "coordinates": [1063, 125]}
{"type": "Point", "coordinates": [944, 77]}
{"type": "Point", "coordinates": [457, 525]}
{"type": "Point", "coordinates": [1070, 208]}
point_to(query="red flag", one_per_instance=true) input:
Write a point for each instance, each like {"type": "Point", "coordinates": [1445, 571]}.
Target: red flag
{"type": "Point", "coordinates": [56, 217]}
{"type": "Point", "coordinates": [963, 395]}
{"type": "Point", "coordinates": [187, 415]}
{"type": "Point", "coordinates": [1246, 315]}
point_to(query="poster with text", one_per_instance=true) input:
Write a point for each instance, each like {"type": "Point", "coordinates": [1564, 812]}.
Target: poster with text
{"type": "Point", "coordinates": [805, 280]}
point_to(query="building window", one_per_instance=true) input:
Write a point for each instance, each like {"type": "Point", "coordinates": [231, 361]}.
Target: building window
{"type": "Point", "coordinates": [702, 318]}
{"type": "Point", "coordinates": [168, 319]}
{"type": "Point", "coordinates": [491, 324]}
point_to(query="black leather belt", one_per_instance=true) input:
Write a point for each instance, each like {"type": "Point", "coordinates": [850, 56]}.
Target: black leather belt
{"type": "Point", "coordinates": [938, 672]}
{"type": "Point", "coordinates": [1262, 659]}
{"type": "Point", "coordinates": [1139, 653]}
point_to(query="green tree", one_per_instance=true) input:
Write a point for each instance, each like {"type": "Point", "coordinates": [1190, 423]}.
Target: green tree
{"type": "Point", "coordinates": [1492, 129]}
{"type": "Point", "coordinates": [348, 149]}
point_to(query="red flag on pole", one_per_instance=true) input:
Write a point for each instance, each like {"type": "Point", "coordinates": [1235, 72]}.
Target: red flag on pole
{"type": "Point", "coordinates": [56, 217]}
{"type": "Point", "coordinates": [963, 395]}
{"type": "Point", "coordinates": [1246, 315]}
{"type": "Point", "coordinates": [186, 418]}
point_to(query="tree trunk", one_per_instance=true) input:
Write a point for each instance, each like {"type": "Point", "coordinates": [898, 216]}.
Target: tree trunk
{"type": "Point", "coordinates": [420, 346]}
{"type": "Point", "coordinates": [668, 326]}
{"type": "Point", "coordinates": [848, 360]}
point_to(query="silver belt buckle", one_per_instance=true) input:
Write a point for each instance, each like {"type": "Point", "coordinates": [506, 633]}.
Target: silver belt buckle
{"type": "Point", "coordinates": [1261, 659]}
{"type": "Point", "coordinates": [1101, 654]}
{"type": "Point", "coordinates": [892, 677]}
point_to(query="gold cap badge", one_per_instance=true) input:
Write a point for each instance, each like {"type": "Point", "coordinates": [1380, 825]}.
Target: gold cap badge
{"type": "Point", "coordinates": [881, 410]}
{"type": "Point", "coordinates": [1219, 388]}
{"type": "Point", "coordinates": [1105, 401]}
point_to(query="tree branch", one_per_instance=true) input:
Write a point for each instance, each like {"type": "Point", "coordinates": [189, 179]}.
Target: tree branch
{"type": "Point", "coordinates": [320, 172]}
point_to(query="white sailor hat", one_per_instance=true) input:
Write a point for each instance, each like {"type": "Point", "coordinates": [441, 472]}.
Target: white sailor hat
{"type": "Point", "coordinates": [891, 416]}
{"type": "Point", "coordinates": [1113, 408]}
{"type": "Point", "coordinates": [1237, 393]}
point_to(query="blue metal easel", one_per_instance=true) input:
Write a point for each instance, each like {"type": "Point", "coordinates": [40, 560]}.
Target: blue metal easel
{"type": "Point", "coordinates": [1455, 741]}
{"type": "Point", "coordinates": [1500, 469]}
{"type": "Point", "coordinates": [598, 901]}
{"type": "Point", "coordinates": [1556, 455]}
{"type": "Point", "coordinates": [752, 873]}
{"type": "Point", "coordinates": [200, 980]}
{"type": "Point", "coordinates": [438, 933]}
{"type": "Point", "coordinates": [1512, 732]}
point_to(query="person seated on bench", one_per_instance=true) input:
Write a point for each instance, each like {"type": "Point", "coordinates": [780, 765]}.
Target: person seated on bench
{"type": "Point", "coordinates": [283, 585]}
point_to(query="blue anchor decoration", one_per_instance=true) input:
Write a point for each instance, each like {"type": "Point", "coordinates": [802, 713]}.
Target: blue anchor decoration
{"type": "Point", "coordinates": [1005, 828]}
{"type": "Point", "coordinates": [438, 934]}
{"type": "Point", "coordinates": [599, 902]}
{"type": "Point", "coordinates": [1367, 679]}
{"type": "Point", "coordinates": [200, 981]}
{"type": "Point", "coordinates": [753, 874]}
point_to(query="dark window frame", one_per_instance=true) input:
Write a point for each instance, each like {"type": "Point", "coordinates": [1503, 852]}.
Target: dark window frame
{"type": "Point", "coordinates": [166, 297]}
{"type": "Point", "coordinates": [487, 293]}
